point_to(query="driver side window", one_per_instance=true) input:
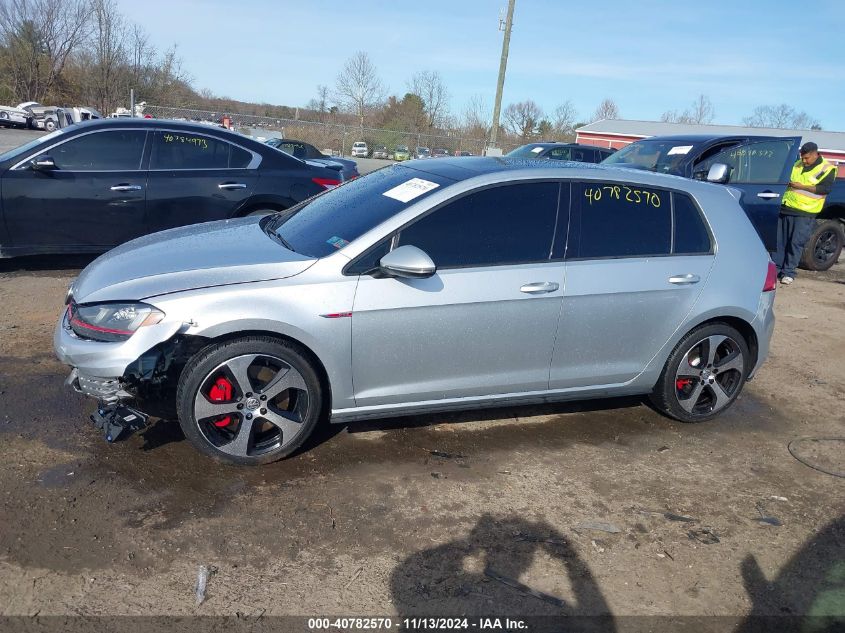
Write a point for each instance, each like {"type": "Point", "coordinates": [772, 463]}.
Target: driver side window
{"type": "Point", "coordinates": [751, 163]}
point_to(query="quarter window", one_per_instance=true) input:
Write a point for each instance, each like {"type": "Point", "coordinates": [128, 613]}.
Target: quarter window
{"type": "Point", "coordinates": [509, 224]}
{"type": "Point", "coordinates": [691, 236]}
{"type": "Point", "coordinates": [115, 150]}
{"type": "Point", "coordinates": [185, 150]}
{"type": "Point", "coordinates": [618, 220]}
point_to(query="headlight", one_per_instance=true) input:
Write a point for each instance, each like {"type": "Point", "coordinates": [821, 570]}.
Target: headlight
{"type": "Point", "coordinates": [110, 322]}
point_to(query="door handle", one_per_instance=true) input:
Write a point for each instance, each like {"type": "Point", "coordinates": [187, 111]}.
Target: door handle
{"type": "Point", "coordinates": [231, 185]}
{"type": "Point", "coordinates": [539, 287]}
{"type": "Point", "coordinates": [768, 195]}
{"type": "Point", "coordinates": [684, 280]}
{"type": "Point", "coordinates": [127, 188]}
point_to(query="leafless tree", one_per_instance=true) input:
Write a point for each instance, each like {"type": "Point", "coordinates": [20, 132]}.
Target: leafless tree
{"type": "Point", "coordinates": [781, 116]}
{"type": "Point", "coordinates": [701, 112]}
{"type": "Point", "coordinates": [358, 87]}
{"type": "Point", "coordinates": [477, 112]}
{"type": "Point", "coordinates": [141, 52]}
{"type": "Point", "coordinates": [39, 36]}
{"type": "Point", "coordinates": [523, 118]}
{"type": "Point", "coordinates": [110, 60]}
{"type": "Point", "coordinates": [320, 104]}
{"type": "Point", "coordinates": [563, 121]}
{"type": "Point", "coordinates": [429, 86]}
{"type": "Point", "coordinates": [607, 110]}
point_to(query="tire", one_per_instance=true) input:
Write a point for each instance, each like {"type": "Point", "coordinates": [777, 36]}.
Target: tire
{"type": "Point", "coordinates": [49, 125]}
{"type": "Point", "coordinates": [4, 116]}
{"type": "Point", "coordinates": [824, 246]}
{"type": "Point", "coordinates": [285, 400]}
{"type": "Point", "coordinates": [688, 389]}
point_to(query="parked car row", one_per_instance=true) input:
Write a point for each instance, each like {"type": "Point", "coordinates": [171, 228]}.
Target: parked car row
{"type": "Point", "coordinates": [33, 115]}
{"type": "Point", "coordinates": [402, 152]}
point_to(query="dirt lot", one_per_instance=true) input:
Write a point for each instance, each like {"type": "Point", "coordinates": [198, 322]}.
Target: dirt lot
{"type": "Point", "coordinates": [710, 519]}
{"type": "Point", "coordinates": [368, 521]}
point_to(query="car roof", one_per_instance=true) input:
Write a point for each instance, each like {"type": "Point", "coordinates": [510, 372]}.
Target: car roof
{"type": "Point", "coordinates": [698, 139]}
{"type": "Point", "coordinates": [459, 169]}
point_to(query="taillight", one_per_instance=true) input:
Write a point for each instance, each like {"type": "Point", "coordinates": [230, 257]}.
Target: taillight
{"type": "Point", "coordinates": [327, 183]}
{"type": "Point", "coordinates": [771, 278]}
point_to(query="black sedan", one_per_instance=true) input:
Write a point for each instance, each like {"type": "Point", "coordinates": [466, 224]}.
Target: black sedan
{"type": "Point", "coordinates": [92, 186]}
{"type": "Point", "coordinates": [562, 151]}
{"type": "Point", "coordinates": [307, 152]}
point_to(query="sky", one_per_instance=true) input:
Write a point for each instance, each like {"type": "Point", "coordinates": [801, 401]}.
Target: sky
{"type": "Point", "coordinates": [649, 56]}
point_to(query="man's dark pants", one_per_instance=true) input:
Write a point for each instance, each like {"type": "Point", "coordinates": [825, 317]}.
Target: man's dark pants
{"type": "Point", "coordinates": [793, 233]}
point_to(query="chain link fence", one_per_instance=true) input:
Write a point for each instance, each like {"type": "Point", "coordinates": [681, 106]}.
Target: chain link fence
{"type": "Point", "coordinates": [334, 138]}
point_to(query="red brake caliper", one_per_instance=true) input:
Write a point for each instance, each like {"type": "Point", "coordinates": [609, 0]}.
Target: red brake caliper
{"type": "Point", "coordinates": [681, 383]}
{"type": "Point", "coordinates": [221, 391]}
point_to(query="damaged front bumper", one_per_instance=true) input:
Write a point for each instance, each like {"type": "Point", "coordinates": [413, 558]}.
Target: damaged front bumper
{"type": "Point", "coordinates": [108, 361]}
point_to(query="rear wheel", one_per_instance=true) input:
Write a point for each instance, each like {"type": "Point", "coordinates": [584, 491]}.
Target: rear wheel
{"type": "Point", "coordinates": [49, 125]}
{"type": "Point", "coordinates": [704, 374]}
{"type": "Point", "coordinates": [824, 246]}
{"type": "Point", "coordinates": [252, 400]}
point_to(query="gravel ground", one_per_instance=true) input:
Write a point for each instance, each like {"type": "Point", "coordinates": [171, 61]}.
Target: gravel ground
{"type": "Point", "coordinates": [597, 507]}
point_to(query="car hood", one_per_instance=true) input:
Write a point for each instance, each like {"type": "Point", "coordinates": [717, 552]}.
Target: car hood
{"type": "Point", "coordinates": [189, 257]}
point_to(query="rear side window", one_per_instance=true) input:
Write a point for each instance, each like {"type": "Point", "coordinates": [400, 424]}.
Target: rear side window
{"type": "Point", "coordinates": [510, 224]}
{"type": "Point", "coordinates": [101, 151]}
{"type": "Point", "coordinates": [691, 235]}
{"type": "Point", "coordinates": [185, 150]}
{"type": "Point", "coordinates": [618, 220]}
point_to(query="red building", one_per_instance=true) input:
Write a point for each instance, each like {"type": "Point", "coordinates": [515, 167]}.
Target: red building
{"type": "Point", "coordinates": [619, 133]}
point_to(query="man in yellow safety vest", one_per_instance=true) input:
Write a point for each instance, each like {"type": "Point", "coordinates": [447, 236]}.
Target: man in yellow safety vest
{"type": "Point", "coordinates": [811, 180]}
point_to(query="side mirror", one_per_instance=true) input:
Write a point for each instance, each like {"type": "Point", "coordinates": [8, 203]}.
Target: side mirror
{"type": "Point", "coordinates": [43, 163]}
{"type": "Point", "coordinates": [409, 262]}
{"type": "Point", "coordinates": [718, 172]}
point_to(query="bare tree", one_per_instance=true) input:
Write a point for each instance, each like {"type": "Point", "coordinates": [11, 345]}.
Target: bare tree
{"type": "Point", "coordinates": [358, 87]}
{"type": "Point", "coordinates": [563, 120]}
{"type": "Point", "coordinates": [701, 112]}
{"type": "Point", "coordinates": [429, 86]}
{"type": "Point", "coordinates": [320, 104]}
{"type": "Point", "coordinates": [607, 110]}
{"type": "Point", "coordinates": [110, 60]}
{"type": "Point", "coordinates": [477, 112]}
{"type": "Point", "coordinates": [781, 116]}
{"type": "Point", "coordinates": [523, 118]}
{"type": "Point", "coordinates": [140, 53]}
{"type": "Point", "coordinates": [39, 37]}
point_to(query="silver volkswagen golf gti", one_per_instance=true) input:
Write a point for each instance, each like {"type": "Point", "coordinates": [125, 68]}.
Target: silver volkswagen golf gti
{"type": "Point", "coordinates": [426, 286]}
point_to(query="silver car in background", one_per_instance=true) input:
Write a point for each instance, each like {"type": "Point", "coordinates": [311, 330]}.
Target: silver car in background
{"type": "Point", "coordinates": [427, 286]}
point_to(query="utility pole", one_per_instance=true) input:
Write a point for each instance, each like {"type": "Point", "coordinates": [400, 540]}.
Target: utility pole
{"type": "Point", "coordinates": [497, 108]}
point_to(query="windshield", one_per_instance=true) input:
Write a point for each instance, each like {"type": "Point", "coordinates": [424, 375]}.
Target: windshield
{"type": "Point", "coordinates": [333, 219]}
{"type": "Point", "coordinates": [660, 156]}
{"type": "Point", "coordinates": [12, 153]}
{"type": "Point", "coordinates": [401, 148]}
{"type": "Point", "coordinates": [526, 151]}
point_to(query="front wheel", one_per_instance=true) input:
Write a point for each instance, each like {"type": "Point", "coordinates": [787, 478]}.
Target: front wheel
{"type": "Point", "coordinates": [824, 246]}
{"type": "Point", "coordinates": [704, 374]}
{"type": "Point", "coordinates": [49, 125]}
{"type": "Point", "coordinates": [250, 401]}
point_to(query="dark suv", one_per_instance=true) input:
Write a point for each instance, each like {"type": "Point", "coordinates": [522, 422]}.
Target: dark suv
{"type": "Point", "coordinates": [92, 186]}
